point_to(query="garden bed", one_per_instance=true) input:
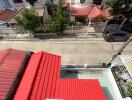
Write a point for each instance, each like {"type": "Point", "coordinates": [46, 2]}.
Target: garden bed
{"type": "Point", "coordinates": [122, 79]}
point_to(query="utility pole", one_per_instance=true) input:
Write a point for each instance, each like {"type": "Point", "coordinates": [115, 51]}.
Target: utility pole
{"type": "Point", "coordinates": [119, 52]}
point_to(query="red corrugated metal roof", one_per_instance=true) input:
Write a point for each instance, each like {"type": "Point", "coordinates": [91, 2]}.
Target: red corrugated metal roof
{"type": "Point", "coordinates": [10, 63]}
{"type": "Point", "coordinates": [79, 89]}
{"type": "Point", "coordinates": [40, 78]}
{"type": "Point", "coordinates": [6, 15]}
{"type": "Point", "coordinates": [42, 81]}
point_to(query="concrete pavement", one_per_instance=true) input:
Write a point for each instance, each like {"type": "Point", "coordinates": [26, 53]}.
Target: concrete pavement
{"type": "Point", "coordinates": [72, 52]}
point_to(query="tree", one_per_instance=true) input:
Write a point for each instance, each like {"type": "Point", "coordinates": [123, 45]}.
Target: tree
{"type": "Point", "coordinates": [119, 6]}
{"type": "Point", "coordinates": [59, 23]}
{"type": "Point", "coordinates": [28, 20]}
{"type": "Point", "coordinates": [49, 26]}
{"type": "Point", "coordinates": [61, 17]}
{"type": "Point", "coordinates": [128, 24]}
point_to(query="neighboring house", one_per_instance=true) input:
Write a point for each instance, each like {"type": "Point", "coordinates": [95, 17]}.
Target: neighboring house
{"type": "Point", "coordinates": [6, 16]}
{"type": "Point", "coordinates": [8, 23]}
{"type": "Point", "coordinates": [89, 15]}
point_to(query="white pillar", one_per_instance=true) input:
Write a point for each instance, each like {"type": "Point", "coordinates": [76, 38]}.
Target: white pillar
{"type": "Point", "coordinates": [89, 23]}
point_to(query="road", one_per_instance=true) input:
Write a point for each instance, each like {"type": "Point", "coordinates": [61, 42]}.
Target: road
{"type": "Point", "coordinates": [75, 52]}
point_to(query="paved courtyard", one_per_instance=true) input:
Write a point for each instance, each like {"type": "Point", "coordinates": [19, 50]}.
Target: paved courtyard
{"type": "Point", "coordinates": [72, 52]}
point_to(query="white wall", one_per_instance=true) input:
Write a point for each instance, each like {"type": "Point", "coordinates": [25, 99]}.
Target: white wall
{"type": "Point", "coordinates": [89, 2]}
{"type": "Point", "coordinates": [114, 85]}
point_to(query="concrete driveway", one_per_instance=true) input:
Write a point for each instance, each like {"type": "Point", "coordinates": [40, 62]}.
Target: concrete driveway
{"type": "Point", "coordinates": [72, 52]}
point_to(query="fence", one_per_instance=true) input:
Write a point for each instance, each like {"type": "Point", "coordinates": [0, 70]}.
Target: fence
{"type": "Point", "coordinates": [7, 31]}
{"type": "Point", "coordinates": [94, 27]}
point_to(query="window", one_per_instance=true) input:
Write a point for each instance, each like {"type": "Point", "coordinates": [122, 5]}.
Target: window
{"type": "Point", "coordinates": [82, 1]}
{"type": "Point", "coordinates": [17, 1]}
{"type": "Point", "coordinates": [97, 2]}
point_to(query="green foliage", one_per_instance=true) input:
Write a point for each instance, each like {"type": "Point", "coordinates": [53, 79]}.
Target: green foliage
{"type": "Point", "coordinates": [61, 18]}
{"type": "Point", "coordinates": [129, 89]}
{"type": "Point", "coordinates": [118, 6]}
{"type": "Point", "coordinates": [128, 24]}
{"type": "Point", "coordinates": [49, 26]}
{"type": "Point", "coordinates": [60, 21]}
{"type": "Point", "coordinates": [28, 20]}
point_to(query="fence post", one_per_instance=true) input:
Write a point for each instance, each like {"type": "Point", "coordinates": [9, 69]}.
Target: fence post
{"type": "Point", "coordinates": [72, 27]}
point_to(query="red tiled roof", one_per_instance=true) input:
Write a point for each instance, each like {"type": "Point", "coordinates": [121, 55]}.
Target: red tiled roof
{"type": "Point", "coordinates": [79, 11]}
{"type": "Point", "coordinates": [10, 64]}
{"type": "Point", "coordinates": [6, 15]}
{"type": "Point", "coordinates": [97, 12]}
{"type": "Point", "coordinates": [89, 11]}
{"type": "Point", "coordinates": [1, 11]}
{"type": "Point", "coordinates": [79, 89]}
{"type": "Point", "coordinates": [40, 78]}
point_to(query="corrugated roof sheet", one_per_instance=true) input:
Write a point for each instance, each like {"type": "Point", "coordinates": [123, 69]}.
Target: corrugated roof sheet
{"type": "Point", "coordinates": [79, 89]}
{"type": "Point", "coordinates": [40, 78]}
{"type": "Point", "coordinates": [127, 61]}
{"type": "Point", "coordinates": [10, 63]}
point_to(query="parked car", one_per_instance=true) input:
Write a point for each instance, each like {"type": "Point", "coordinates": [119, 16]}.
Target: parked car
{"type": "Point", "coordinates": [116, 35]}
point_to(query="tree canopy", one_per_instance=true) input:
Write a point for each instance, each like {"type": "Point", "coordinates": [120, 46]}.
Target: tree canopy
{"type": "Point", "coordinates": [119, 6]}
{"type": "Point", "coordinates": [28, 20]}
{"type": "Point", "coordinates": [60, 21]}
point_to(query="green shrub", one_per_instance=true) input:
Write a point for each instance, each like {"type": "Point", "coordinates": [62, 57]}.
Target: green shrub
{"type": "Point", "coordinates": [29, 20]}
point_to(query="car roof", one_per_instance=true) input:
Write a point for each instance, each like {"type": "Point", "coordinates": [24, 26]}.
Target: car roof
{"type": "Point", "coordinates": [116, 31]}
